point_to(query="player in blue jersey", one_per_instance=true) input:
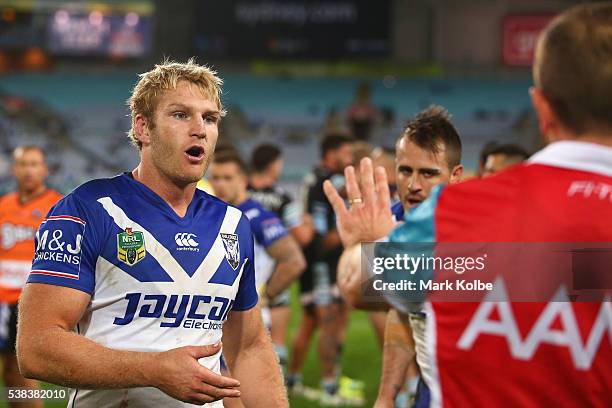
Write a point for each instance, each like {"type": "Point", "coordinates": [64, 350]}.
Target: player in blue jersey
{"type": "Point", "coordinates": [279, 260]}
{"type": "Point", "coordinates": [138, 278]}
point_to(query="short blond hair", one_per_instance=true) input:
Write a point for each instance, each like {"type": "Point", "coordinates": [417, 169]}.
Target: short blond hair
{"type": "Point", "coordinates": [165, 76]}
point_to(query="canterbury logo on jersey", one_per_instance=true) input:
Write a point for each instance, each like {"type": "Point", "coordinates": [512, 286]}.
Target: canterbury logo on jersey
{"type": "Point", "coordinates": [11, 234]}
{"type": "Point", "coordinates": [186, 241]}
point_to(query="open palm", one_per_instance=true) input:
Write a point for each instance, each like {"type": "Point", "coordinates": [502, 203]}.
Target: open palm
{"type": "Point", "coordinates": [368, 217]}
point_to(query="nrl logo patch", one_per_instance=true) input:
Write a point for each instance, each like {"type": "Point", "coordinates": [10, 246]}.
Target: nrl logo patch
{"type": "Point", "coordinates": [130, 247]}
{"type": "Point", "coordinates": [232, 249]}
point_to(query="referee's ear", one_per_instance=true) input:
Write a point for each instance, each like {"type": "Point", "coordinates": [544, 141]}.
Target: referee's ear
{"type": "Point", "coordinates": [551, 127]}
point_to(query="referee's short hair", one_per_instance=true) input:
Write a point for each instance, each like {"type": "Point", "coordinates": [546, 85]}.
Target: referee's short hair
{"type": "Point", "coordinates": [572, 67]}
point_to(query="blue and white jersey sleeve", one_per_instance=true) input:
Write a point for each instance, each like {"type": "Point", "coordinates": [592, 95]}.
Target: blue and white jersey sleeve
{"type": "Point", "coordinates": [67, 246]}
{"type": "Point", "coordinates": [267, 228]}
{"type": "Point", "coordinates": [246, 298]}
{"type": "Point", "coordinates": [397, 210]}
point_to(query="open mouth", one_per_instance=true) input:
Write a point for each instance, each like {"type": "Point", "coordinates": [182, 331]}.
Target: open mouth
{"type": "Point", "coordinates": [195, 153]}
{"type": "Point", "coordinates": [414, 201]}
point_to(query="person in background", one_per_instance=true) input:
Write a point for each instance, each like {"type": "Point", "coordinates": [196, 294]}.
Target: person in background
{"type": "Point", "coordinates": [563, 194]}
{"type": "Point", "coordinates": [280, 261]}
{"type": "Point", "coordinates": [265, 170]}
{"type": "Point", "coordinates": [427, 154]}
{"type": "Point", "coordinates": [482, 156]}
{"type": "Point", "coordinates": [322, 305]}
{"type": "Point", "coordinates": [21, 213]}
{"type": "Point", "coordinates": [503, 156]}
{"type": "Point", "coordinates": [362, 114]}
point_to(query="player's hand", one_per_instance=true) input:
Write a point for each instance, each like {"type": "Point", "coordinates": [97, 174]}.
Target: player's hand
{"type": "Point", "coordinates": [368, 217]}
{"type": "Point", "coordinates": [179, 374]}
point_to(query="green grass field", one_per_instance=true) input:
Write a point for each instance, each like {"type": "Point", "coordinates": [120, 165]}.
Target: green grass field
{"type": "Point", "coordinates": [361, 360]}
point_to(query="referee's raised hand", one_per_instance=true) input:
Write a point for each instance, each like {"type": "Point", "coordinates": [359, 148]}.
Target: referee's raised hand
{"type": "Point", "coordinates": [368, 216]}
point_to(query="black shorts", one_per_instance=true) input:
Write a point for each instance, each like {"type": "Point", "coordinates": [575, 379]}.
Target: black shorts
{"type": "Point", "coordinates": [8, 327]}
{"type": "Point", "coordinates": [318, 285]}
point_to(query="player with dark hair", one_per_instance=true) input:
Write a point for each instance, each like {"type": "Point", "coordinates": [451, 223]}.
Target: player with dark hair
{"type": "Point", "coordinates": [264, 156]}
{"type": "Point", "coordinates": [21, 213]}
{"type": "Point", "coordinates": [321, 301]}
{"type": "Point", "coordinates": [517, 350]}
{"type": "Point", "coordinates": [482, 156]}
{"type": "Point", "coordinates": [265, 171]}
{"type": "Point", "coordinates": [427, 154]}
{"type": "Point", "coordinates": [503, 156]}
{"type": "Point", "coordinates": [278, 258]}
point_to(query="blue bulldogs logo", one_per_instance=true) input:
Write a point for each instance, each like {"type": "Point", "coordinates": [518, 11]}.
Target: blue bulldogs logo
{"type": "Point", "coordinates": [232, 249]}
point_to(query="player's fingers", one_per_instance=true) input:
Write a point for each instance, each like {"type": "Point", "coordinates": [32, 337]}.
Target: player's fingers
{"type": "Point", "coordinates": [218, 393]}
{"type": "Point", "coordinates": [199, 399]}
{"type": "Point", "coordinates": [207, 350]}
{"type": "Point", "coordinates": [367, 181]}
{"type": "Point", "coordinates": [334, 199]}
{"type": "Point", "coordinates": [352, 187]}
{"type": "Point", "coordinates": [382, 187]}
{"type": "Point", "coordinates": [217, 380]}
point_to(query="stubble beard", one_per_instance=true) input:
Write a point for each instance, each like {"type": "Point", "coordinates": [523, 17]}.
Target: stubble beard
{"type": "Point", "coordinates": [167, 166]}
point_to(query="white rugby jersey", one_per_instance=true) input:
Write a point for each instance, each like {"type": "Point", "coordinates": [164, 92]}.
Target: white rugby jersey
{"type": "Point", "coordinates": [157, 281]}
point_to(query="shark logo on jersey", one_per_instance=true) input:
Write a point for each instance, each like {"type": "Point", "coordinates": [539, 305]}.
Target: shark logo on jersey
{"type": "Point", "coordinates": [232, 249]}
{"type": "Point", "coordinates": [130, 247]}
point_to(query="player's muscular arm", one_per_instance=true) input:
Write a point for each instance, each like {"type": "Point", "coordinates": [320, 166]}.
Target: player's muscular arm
{"type": "Point", "coordinates": [304, 232]}
{"type": "Point", "coordinates": [397, 353]}
{"type": "Point", "coordinates": [251, 359]}
{"type": "Point", "coordinates": [290, 263]}
{"type": "Point", "coordinates": [48, 350]}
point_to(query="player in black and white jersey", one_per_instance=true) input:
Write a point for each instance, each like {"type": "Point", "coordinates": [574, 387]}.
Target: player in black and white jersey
{"type": "Point", "coordinates": [266, 167]}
